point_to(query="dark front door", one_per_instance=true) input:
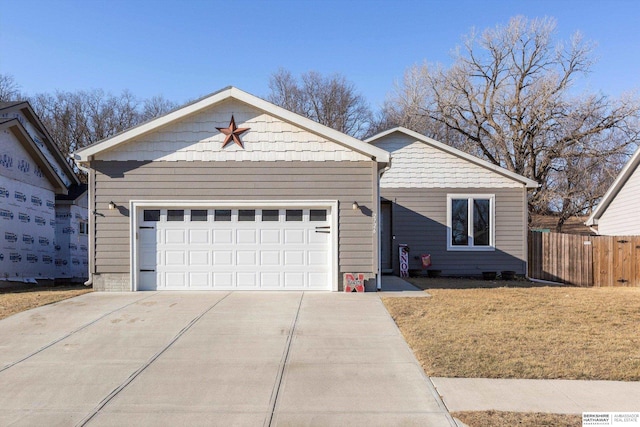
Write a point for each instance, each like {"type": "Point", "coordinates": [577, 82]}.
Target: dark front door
{"type": "Point", "coordinates": [385, 236]}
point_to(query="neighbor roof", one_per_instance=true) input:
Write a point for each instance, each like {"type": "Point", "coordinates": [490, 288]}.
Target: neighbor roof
{"type": "Point", "coordinates": [529, 183]}
{"type": "Point", "coordinates": [25, 108]}
{"type": "Point", "coordinates": [21, 134]}
{"type": "Point", "coordinates": [377, 154]}
{"type": "Point", "coordinates": [615, 188]}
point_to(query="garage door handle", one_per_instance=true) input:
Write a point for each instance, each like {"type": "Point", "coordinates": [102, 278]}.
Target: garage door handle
{"type": "Point", "coordinates": [142, 270]}
{"type": "Point", "coordinates": [323, 229]}
{"type": "Point", "coordinates": [145, 228]}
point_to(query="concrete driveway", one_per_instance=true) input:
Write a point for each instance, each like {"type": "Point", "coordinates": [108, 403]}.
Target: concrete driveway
{"type": "Point", "coordinates": [214, 358]}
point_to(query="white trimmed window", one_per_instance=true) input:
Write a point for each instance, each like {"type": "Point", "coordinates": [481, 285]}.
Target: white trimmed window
{"type": "Point", "coordinates": [470, 222]}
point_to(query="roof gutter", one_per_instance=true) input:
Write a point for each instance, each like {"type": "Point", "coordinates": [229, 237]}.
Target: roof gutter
{"type": "Point", "coordinates": [90, 246]}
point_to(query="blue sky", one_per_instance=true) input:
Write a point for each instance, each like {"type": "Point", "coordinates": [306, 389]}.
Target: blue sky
{"type": "Point", "coordinates": [186, 49]}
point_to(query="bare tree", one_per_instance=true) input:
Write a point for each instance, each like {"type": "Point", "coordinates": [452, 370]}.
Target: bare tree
{"type": "Point", "coordinates": [156, 106]}
{"type": "Point", "coordinates": [331, 101]}
{"type": "Point", "coordinates": [9, 89]}
{"type": "Point", "coordinates": [77, 119]}
{"type": "Point", "coordinates": [508, 98]}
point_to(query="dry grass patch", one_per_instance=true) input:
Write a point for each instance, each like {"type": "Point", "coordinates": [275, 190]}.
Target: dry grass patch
{"type": "Point", "coordinates": [540, 333]}
{"type": "Point", "coordinates": [510, 419]}
{"type": "Point", "coordinates": [15, 300]}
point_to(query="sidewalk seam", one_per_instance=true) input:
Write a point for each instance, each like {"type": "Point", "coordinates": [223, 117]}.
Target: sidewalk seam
{"type": "Point", "coordinates": [86, 325]}
{"type": "Point", "coordinates": [148, 363]}
{"type": "Point", "coordinates": [283, 364]}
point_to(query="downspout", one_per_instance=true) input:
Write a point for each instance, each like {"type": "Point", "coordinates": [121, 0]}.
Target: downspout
{"type": "Point", "coordinates": [91, 223]}
{"type": "Point", "coordinates": [379, 222]}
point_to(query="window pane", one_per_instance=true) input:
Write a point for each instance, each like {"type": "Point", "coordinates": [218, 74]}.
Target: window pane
{"type": "Point", "coordinates": [175, 215]}
{"type": "Point", "coordinates": [481, 226]}
{"type": "Point", "coordinates": [317, 215]}
{"type": "Point", "coordinates": [198, 214]}
{"type": "Point", "coordinates": [270, 215]}
{"type": "Point", "coordinates": [222, 215]}
{"type": "Point", "coordinates": [459, 222]}
{"type": "Point", "coordinates": [152, 214]}
{"type": "Point", "coordinates": [246, 215]}
{"type": "Point", "coordinates": [294, 214]}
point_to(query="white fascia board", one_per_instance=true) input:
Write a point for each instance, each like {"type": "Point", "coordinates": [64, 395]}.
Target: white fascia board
{"type": "Point", "coordinates": [529, 183]}
{"type": "Point", "coordinates": [615, 188]}
{"type": "Point", "coordinates": [377, 154]}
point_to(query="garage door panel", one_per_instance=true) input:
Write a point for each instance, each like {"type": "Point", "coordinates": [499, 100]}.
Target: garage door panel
{"type": "Point", "coordinates": [270, 237]}
{"type": "Point", "coordinates": [222, 258]}
{"type": "Point", "coordinates": [292, 258]}
{"type": "Point", "coordinates": [174, 237]}
{"type": "Point", "coordinates": [199, 279]}
{"type": "Point", "coordinates": [294, 280]}
{"type": "Point", "coordinates": [317, 238]}
{"type": "Point", "coordinates": [294, 236]}
{"type": "Point", "coordinates": [198, 237]}
{"type": "Point", "coordinates": [223, 279]}
{"type": "Point", "coordinates": [246, 237]}
{"type": "Point", "coordinates": [318, 258]}
{"type": "Point", "coordinates": [222, 237]}
{"type": "Point", "coordinates": [270, 280]}
{"type": "Point", "coordinates": [244, 258]}
{"type": "Point", "coordinates": [174, 280]}
{"type": "Point", "coordinates": [175, 258]}
{"type": "Point", "coordinates": [226, 253]}
{"type": "Point", "coordinates": [318, 280]}
{"type": "Point", "coordinates": [199, 258]}
{"type": "Point", "coordinates": [246, 280]}
{"type": "Point", "coordinates": [268, 258]}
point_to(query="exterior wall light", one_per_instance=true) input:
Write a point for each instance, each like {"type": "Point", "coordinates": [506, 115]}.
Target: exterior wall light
{"type": "Point", "coordinates": [355, 206]}
{"type": "Point", "coordinates": [112, 206]}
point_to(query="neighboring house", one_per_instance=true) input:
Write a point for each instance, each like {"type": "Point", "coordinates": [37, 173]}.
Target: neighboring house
{"type": "Point", "coordinates": [32, 173]}
{"type": "Point", "coordinates": [468, 214]}
{"type": "Point", "coordinates": [618, 213]}
{"type": "Point", "coordinates": [548, 223]}
{"type": "Point", "coordinates": [72, 226]}
{"type": "Point", "coordinates": [232, 192]}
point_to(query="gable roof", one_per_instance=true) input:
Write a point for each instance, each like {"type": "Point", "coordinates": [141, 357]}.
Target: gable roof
{"type": "Point", "coordinates": [21, 134]}
{"type": "Point", "coordinates": [529, 183]}
{"type": "Point", "coordinates": [25, 108]}
{"type": "Point", "coordinates": [615, 188]}
{"type": "Point", "coordinates": [84, 154]}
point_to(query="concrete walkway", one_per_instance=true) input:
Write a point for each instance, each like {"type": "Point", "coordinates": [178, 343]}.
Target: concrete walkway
{"type": "Point", "coordinates": [552, 396]}
{"type": "Point", "coordinates": [394, 286]}
{"type": "Point", "coordinates": [212, 358]}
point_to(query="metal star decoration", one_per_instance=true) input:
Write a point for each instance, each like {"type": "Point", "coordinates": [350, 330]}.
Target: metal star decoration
{"type": "Point", "coordinates": [233, 133]}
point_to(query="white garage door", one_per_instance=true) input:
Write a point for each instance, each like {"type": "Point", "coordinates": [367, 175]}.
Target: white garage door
{"type": "Point", "coordinates": [234, 249]}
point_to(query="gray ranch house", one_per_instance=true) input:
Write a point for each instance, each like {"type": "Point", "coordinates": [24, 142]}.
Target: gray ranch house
{"type": "Point", "coordinates": [467, 214]}
{"type": "Point", "coordinates": [234, 193]}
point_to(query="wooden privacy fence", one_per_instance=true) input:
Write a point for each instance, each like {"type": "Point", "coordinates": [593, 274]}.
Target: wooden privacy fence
{"type": "Point", "coordinates": [585, 260]}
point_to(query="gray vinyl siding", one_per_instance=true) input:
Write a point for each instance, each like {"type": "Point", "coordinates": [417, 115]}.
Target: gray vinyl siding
{"type": "Point", "coordinates": [622, 216]}
{"type": "Point", "coordinates": [419, 219]}
{"type": "Point", "coordinates": [346, 182]}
